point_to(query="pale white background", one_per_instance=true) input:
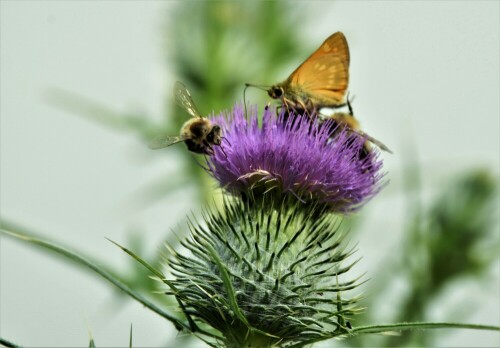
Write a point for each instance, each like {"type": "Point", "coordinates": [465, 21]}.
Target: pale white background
{"type": "Point", "coordinates": [422, 72]}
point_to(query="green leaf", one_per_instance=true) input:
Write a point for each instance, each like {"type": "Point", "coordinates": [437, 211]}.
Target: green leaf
{"type": "Point", "coordinates": [86, 108]}
{"type": "Point", "coordinates": [130, 339]}
{"type": "Point", "coordinates": [419, 326]}
{"type": "Point", "coordinates": [227, 285]}
{"type": "Point", "coordinates": [8, 344]}
{"type": "Point", "coordinates": [84, 262]}
{"type": "Point", "coordinates": [160, 276]}
{"type": "Point", "coordinates": [390, 328]}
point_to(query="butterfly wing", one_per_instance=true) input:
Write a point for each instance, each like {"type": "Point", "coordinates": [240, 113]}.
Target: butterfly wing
{"type": "Point", "coordinates": [184, 100]}
{"type": "Point", "coordinates": [334, 44]}
{"type": "Point", "coordinates": [323, 79]}
{"type": "Point", "coordinates": [162, 141]}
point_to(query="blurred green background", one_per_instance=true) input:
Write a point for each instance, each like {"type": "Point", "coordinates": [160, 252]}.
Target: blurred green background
{"type": "Point", "coordinates": [425, 80]}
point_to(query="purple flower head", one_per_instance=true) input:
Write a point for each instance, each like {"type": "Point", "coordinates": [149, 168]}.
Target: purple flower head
{"type": "Point", "coordinates": [293, 158]}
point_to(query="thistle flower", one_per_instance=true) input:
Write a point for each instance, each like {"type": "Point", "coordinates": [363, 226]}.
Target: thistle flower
{"type": "Point", "coordinates": [265, 278]}
{"type": "Point", "coordinates": [293, 158]}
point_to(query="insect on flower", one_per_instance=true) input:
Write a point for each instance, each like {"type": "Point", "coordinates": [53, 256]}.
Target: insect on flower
{"type": "Point", "coordinates": [320, 81]}
{"type": "Point", "coordinates": [283, 158]}
{"type": "Point", "coordinates": [339, 121]}
{"type": "Point", "coordinates": [198, 133]}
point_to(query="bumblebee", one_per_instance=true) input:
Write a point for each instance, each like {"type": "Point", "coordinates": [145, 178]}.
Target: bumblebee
{"type": "Point", "coordinates": [198, 133]}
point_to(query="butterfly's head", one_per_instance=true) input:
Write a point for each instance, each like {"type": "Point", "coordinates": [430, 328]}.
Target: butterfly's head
{"type": "Point", "coordinates": [276, 92]}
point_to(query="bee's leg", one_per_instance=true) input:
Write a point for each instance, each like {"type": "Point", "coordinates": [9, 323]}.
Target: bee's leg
{"type": "Point", "coordinates": [209, 151]}
{"type": "Point", "coordinates": [193, 146]}
{"type": "Point", "coordinates": [207, 148]}
{"type": "Point", "coordinates": [224, 152]}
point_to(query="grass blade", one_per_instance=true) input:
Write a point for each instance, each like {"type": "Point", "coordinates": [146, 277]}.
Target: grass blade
{"type": "Point", "coordinates": [82, 261]}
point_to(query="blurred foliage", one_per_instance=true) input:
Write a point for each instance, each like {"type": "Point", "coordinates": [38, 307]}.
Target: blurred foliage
{"type": "Point", "coordinates": [217, 46]}
{"type": "Point", "coordinates": [8, 344]}
{"type": "Point", "coordinates": [214, 47]}
{"type": "Point", "coordinates": [231, 43]}
{"type": "Point", "coordinates": [448, 243]}
{"type": "Point", "coordinates": [454, 238]}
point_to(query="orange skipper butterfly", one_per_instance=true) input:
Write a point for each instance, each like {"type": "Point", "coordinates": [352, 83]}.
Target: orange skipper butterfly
{"type": "Point", "coordinates": [320, 81]}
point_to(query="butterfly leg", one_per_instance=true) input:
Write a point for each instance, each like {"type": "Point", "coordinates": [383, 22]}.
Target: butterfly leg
{"type": "Point", "coordinates": [311, 110]}
{"type": "Point", "coordinates": [349, 105]}
{"type": "Point", "coordinates": [285, 103]}
{"type": "Point", "coordinates": [305, 108]}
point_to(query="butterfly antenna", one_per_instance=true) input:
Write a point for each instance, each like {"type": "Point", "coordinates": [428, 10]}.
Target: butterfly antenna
{"type": "Point", "coordinates": [244, 98]}
{"type": "Point", "coordinates": [261, 87]}
{"type": "Point", "coordinates": [264, 88]}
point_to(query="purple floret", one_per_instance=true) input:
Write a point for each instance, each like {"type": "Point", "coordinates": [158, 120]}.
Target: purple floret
{"type": "Point", "coordinates": [289, 157]}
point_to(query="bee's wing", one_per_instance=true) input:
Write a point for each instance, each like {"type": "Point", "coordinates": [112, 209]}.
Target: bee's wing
{"type": "Point", "coordinates": [162, 141]}
{"type": "Point", "coordinates": [372, 140]}
{"type": "Point", "coordinates": [183, 98]}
